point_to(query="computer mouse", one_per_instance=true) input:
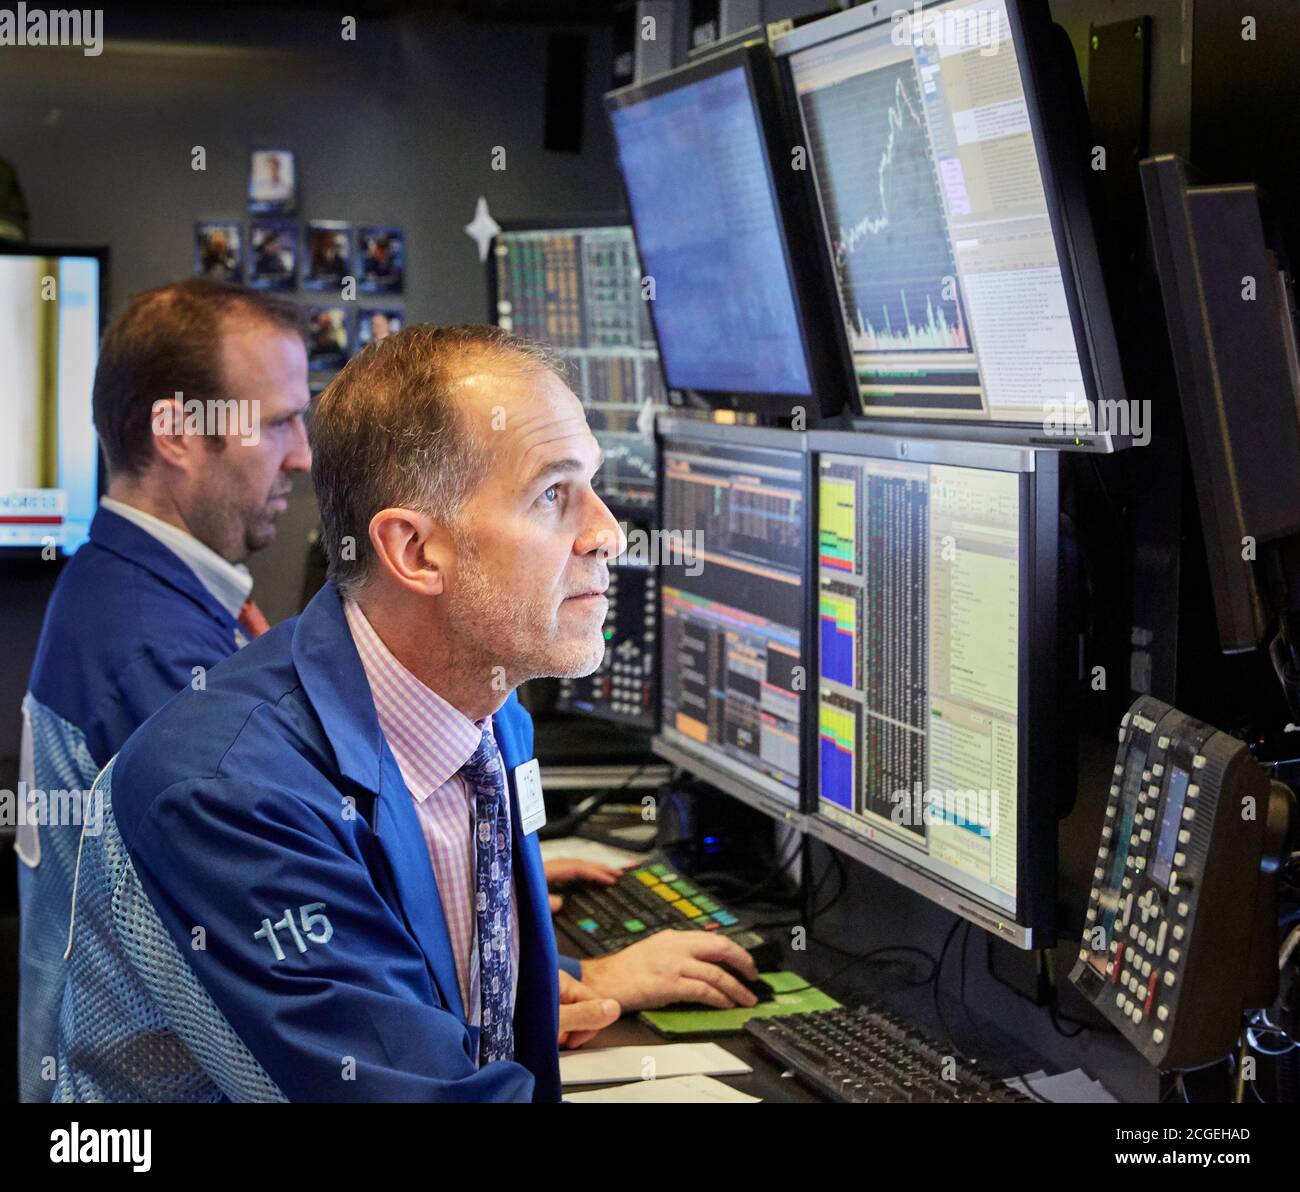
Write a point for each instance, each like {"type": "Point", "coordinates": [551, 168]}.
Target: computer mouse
{"type": "Point", "coordinates": [759, 988]}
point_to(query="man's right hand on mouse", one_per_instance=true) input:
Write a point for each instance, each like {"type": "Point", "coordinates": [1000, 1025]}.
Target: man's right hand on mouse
{"type": "Point", "coordinates": [674, 966]}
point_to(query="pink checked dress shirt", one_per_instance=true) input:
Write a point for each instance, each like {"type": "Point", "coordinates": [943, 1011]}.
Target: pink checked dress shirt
{"type": "Point", "coordinates": [431, 741]}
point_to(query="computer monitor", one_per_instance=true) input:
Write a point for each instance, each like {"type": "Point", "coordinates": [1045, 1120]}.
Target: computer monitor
{"type": "Point", "coordinates": [947, 165]}
{"type": "Point", "coordinates": [720, 225]}
{"type": "Point", "coordinates": [1230, 309]}
{"type": "Point", "coordinates": [51, 303]}
{"type": "Point", "coordinates": [936, 583]}
{"type": "Point", "coordinates": [732, 564]}
{"type": "Point", "coordinates": [576, 285]}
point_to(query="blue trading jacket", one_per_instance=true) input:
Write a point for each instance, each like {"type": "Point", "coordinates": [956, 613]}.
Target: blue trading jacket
{"type": "Point", "coordinates": [126, 626]}
{"type": "Point", "coordinates": [258, 918]}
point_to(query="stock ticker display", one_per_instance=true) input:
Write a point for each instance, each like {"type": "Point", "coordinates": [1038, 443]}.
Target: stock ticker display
{"type": "Point", "coordinates": [732, 609]}
{"type": "Point", "coordinates": [919, 572]}
{"type": "Point", "coordinates": [579, 290]}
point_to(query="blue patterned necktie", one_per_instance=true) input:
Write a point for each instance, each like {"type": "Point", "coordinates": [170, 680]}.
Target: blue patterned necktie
{"type": "Point", "coordinates": [486, 778]}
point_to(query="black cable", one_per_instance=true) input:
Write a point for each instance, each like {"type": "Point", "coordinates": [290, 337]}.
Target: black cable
{"type": "Point", "coordinates": [975, 1028]}
{"type": "Point", "coordinates": [749, 893]}
{"type": "Point", "coordinates": [838, 866]}
{"type": "Point", "coordinates": [965, 940]}
{"type": "Point", "coordinates": [1051, 1005]}
{"type": "Point", "coordinates": [1054, 1003]}
{"type": "Point", "coordinates": [710, 879]}
{"type": "Point", "coordinates": [825, 943]}
{"type": "Point", "coordinates": [961, 1001]}
{"type": "Point", "coordinates": [861, 959]}
{"type": "Point", "coordinates": [566, 825]}
{"type": "Point", "coordinates": [938, 974]}
{"type": "Point", "coordinates": [988, 964]}
{"type": "Point", "coordinates": [1057, 1019]}
{"type": "Point", "coordinates": [842, 874]}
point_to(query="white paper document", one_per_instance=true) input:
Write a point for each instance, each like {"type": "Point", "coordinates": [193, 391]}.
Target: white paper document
{"type": "Point", "coordinates": [575, 848]}
{"type": "Point", "coordinates": [676, 1090]}
{"type": "Point", "coordinates": [618, 1065]}
{"type": "Point", "coordinates": [1073, 1087]}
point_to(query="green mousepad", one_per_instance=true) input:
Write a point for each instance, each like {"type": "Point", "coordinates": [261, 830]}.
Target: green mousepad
{"type": "Point", "coordinates": [698, 1020]}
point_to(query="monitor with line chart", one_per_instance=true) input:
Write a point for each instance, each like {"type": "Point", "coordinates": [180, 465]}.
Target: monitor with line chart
{"type": "Point", "coordinates": [731, 594]}
{"type": "Point", "coordinates": [955, 232]}
{"type": "Point", "coordinates": [576, 285]}
{"type": "Point", "coordinates": [935, 631]}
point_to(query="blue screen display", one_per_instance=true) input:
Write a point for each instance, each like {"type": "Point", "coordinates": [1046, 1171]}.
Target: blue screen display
{"type": "Point", "coordinates": [1171, 815]}
{"type": "Point", "coordinates": [707, 228]}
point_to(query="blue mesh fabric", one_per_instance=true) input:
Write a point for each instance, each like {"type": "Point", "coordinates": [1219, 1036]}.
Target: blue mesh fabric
{"type": "Point", "coordinates": [135, 1023]}
{"type": "Point", "coordinates": [61, 762]}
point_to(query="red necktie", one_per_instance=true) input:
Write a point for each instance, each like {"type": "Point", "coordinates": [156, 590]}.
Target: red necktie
{"type": "Point", "coordinates": [252, 620]}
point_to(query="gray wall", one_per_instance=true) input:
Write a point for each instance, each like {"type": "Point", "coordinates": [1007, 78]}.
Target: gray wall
{"type": "Point", "coordinates": [398, 127]}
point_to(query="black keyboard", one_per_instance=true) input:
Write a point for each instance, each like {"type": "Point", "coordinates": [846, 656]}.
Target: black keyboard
{"type": "Point", "coordinates": [650, 898]}
{"type": "Point", "coordinates": [867, 1055]}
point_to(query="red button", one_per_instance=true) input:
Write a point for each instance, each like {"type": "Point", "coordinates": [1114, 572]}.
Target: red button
{"type": "Point", "coordinates": [1151, 990]}
{"type": "Point", "coordinates": [1116, 965]}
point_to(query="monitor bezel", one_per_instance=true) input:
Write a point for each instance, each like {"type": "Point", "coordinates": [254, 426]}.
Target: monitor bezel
{"type": "Point", "coordinates": [1038, 763]}
{"type": "Point", "coordinates": [627, 510]}
{"type": "Point", "coordinates": [29, 558]}
{"type": "Point", "coordinates": [1071, 220]}
{"type": "Point", "coordinates": [827, 385]}
{"type": "Point", "coordinates": [667, 742]}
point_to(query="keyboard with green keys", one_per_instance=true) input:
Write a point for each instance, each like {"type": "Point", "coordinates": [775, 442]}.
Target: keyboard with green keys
{"type": "Point", "coordinates": [650, 898]}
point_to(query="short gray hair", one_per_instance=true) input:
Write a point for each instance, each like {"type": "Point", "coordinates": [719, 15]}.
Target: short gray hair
{"type": "Point", "coordinates": [388, 431]}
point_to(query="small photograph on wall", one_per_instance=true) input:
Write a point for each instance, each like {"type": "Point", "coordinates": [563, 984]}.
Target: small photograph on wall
{"type": "Point", "coordinates": [375, 322]}
{"type": "Point", "coordinates": [382, 259]}
{"type": "Point", "coordinates": [218, 251]}
{"type": "Point", "coordinates": [272, 186]}
{"type": "Point", "coordinates": [329, 255]}
{"type": "Point", "coordinates": [272, 255]}
{"type": "Point", "coordinates": [327, 337]}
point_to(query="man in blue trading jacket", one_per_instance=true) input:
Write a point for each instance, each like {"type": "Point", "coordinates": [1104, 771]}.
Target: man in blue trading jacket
{"type": "Point", "coordinates": [159, 594]}
{"type": "Point", "coordinates": [318, 878]}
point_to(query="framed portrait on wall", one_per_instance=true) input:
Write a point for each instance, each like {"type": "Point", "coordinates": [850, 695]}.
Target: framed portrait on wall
{"type": "Point", "coordinates": [328, 340]}
{"type": "Point", "coordinates": [381, 259]}
{"type": "Point", "coordinates": [272, 182]}
{"type": "Point", "coordinates": [374, 323]}
{"type": "Point", "coordinates": [328, 254]}
{"type": "Point", "coordinates": [272, 254]}
{"type": "Point", "coordinates": [219, 250]}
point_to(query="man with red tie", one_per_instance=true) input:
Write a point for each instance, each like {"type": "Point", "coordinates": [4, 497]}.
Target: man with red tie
{"type": "Point", "coordinates": [199, 398]}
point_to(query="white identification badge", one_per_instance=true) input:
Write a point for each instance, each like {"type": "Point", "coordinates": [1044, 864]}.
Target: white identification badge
{"type": "Point", "coordinates": [528, 789]}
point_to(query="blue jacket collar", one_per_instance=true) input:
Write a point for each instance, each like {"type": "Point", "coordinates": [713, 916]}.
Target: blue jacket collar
{"type": "Point", "coordinates": [128, 541]}
{"type": "Point", "coordinates": [331, 673]}
{"type": "Point", "coordinates": [334, 681]}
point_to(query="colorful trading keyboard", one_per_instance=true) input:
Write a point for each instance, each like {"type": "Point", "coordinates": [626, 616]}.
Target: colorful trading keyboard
{"type": "Point", "coordinates": [650, 898]}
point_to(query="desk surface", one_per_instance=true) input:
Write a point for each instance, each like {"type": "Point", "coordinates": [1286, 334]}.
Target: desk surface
{"type": "Point", "coordinates": [886, 984]}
